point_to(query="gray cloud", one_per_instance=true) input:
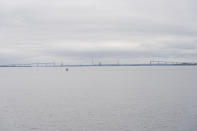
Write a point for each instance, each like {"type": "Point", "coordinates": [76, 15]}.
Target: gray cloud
{"type": "Point", "coordinates": [46, 30]}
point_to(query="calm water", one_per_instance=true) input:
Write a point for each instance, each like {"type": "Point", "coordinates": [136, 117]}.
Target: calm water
{"type": "Point", "coordinates": [98, 99]}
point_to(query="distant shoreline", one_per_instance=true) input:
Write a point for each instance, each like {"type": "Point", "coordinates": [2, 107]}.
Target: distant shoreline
{"type": "Point", "coordinates": [101, 65]}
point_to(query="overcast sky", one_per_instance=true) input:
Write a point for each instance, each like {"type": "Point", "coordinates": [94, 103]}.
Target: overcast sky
{"type": "Point", "coordinates": [106, 30]}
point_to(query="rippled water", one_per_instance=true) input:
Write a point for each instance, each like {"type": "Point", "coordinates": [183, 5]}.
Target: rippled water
{"type": "Point", "coordinates": [98, 99]}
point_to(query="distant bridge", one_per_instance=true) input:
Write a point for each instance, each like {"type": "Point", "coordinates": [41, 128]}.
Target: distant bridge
{"type": "Point", "coordinates": [157, 62]}
{"type": "Point", "coordinates": [152, 63]}
{"type": "Point", "coordinates": [52, 64]}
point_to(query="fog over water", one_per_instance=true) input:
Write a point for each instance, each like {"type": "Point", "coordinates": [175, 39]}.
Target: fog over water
{"type": "Point", "coordinates": [98, 99]}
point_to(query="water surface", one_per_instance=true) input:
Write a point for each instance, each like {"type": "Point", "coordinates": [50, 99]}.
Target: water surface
{"type": "Point", "coordinates": [98, 99]}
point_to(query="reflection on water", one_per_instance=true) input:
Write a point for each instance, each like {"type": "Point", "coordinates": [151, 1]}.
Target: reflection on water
{"type": "Point", "coordinates": [98, 99]}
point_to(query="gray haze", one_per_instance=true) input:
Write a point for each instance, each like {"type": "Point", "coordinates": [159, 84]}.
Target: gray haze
{"type": "Point", "coordinates": [106, 30]}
